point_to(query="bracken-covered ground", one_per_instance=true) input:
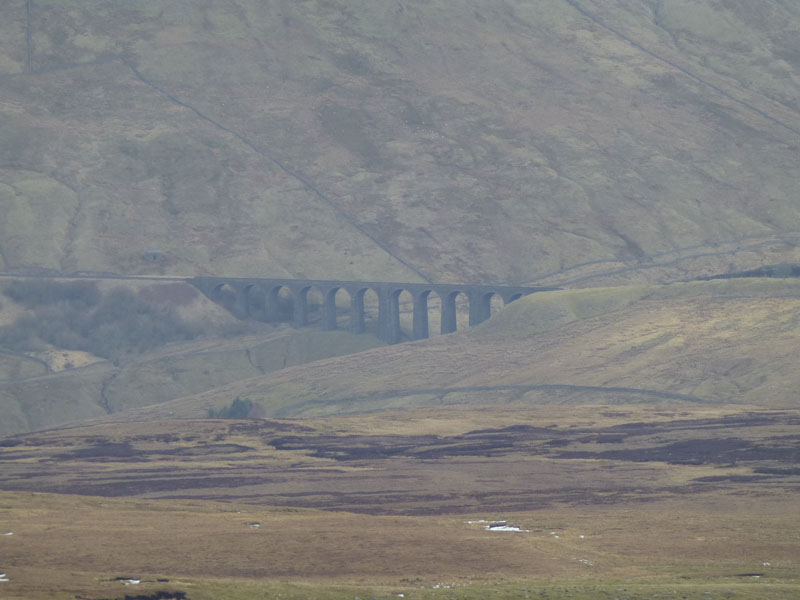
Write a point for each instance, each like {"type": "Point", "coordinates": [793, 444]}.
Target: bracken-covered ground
{"type": "Point", "coordinates": [614, 456]}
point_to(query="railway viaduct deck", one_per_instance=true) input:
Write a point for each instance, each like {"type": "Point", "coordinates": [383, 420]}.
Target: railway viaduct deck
{"type": "Point", "coordinates": [256, 298]}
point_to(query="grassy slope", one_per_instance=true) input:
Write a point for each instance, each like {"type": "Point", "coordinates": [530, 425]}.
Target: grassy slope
{"type": "Point", "coordinates": [469, 140]}
{"type": "Point", "coordinates": [730, 341]}
{"type": "Point", "coordinates": [37, 390]}
{"type": "Point", "coordinates": [46, 400]}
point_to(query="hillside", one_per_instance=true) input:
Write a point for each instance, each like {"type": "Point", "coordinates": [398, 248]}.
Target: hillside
{"type": "Point", "coordinates": [47, 399]}
{"type": "Point", "coordinates": [632, 433]}
{"type": "Point", "coordinates": [466, 141]}
{"type": "Point", "coordinates": [723, 341]}
{"type": "Point", "coordinates": [85, 348]}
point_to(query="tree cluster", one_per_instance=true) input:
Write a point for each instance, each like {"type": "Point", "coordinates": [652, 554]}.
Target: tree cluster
{"type": "Point", "coordinates": [78, 316]}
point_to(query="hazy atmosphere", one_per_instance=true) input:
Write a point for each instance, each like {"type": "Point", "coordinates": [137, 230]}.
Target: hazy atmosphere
{"type": "Point", "coordinates": [422, 299]}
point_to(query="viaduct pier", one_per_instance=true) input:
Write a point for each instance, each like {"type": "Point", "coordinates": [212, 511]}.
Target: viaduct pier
{"type": "Point", "coordinates": [260, 299]}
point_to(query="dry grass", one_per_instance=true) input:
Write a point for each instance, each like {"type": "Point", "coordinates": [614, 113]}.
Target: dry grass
{"type": "Point", "coordinates": [67, 546]}
{"type": "Point", "coordinates": [637, 521]}
{"type": "Point", "coordinates": [455, 137]}
{"type": "Point", "coordinates": [729, 341]}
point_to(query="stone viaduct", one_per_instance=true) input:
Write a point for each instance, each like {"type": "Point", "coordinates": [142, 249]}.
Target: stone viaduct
{"type": "Point", "coordinates": [259, 298]}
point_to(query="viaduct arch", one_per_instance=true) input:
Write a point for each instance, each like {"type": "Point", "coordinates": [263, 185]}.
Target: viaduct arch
{"type": "Point", "coordinates": [260, 299]}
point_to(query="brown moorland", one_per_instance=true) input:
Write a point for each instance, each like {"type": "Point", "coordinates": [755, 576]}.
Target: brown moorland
{"type": "Point", "coordinates": [690, 498]}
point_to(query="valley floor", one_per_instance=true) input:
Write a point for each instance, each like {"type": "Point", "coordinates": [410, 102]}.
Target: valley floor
{"type": "Point", "coordinates": [671, 501]}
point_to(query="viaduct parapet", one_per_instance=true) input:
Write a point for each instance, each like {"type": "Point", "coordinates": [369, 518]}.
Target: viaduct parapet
{"type": "Point", "coordinates": [260, 299]}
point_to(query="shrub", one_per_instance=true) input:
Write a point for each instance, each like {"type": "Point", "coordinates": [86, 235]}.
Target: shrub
{"type": "Point", "coordinates": [782, 270]}
{"type": "Point", "coordinates": [33, 293]}
{"type": "Point", "coordinates": [240, 408]}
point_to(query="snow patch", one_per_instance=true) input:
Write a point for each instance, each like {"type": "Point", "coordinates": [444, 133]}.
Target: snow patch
{"type": "Point", "coordinates": [505, 528]}
{"type": "Point", "coordinates": [498, 526]}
